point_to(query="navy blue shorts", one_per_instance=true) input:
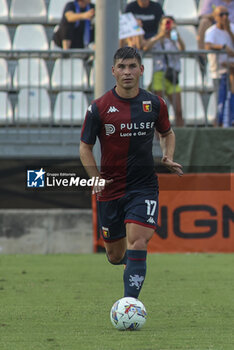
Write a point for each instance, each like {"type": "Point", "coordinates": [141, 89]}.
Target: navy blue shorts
{"type": "Point", "coordinates": [137, 207]}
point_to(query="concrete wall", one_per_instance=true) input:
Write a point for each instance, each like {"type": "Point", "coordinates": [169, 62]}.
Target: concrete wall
{"type": "Point", "coordinates": [45, 231]}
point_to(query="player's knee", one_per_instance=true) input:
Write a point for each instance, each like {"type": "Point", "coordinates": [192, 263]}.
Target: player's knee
{"type": "Point", "coordinates": [114, 257]}
{"type": "Point", "coordinates": [139, 244]}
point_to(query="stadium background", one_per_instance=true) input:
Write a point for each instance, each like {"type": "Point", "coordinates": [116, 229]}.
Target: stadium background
{"type": "Point", "coordinates": [41, 118]}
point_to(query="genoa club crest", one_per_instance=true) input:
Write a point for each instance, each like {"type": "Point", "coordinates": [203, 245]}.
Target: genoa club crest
{"type": "Point", "coordinates": [147, 106]}
{"type": "Point", "coordinates": [105, 232]}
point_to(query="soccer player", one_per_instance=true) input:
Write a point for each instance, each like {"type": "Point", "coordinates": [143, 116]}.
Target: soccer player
{"type": "Point", "coordinates": [125, 119]}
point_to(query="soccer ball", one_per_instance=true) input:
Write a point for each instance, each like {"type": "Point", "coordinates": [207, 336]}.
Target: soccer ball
{"type": "Point", "coordinates": [128, 314]}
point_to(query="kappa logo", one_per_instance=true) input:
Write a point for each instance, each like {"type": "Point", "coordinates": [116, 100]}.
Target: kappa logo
{"type": "Point", "coordinates": [110, 129]}
{"type": "Point", "coordinates": [112, 109]}
{"type": "Point", "coordinates": [136, 281]}
{"type": "Point", "coordinates": [151, 220]}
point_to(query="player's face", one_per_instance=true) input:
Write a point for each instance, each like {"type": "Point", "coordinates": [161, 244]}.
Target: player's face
{"type": "Point", "coordinates": [127, 73]}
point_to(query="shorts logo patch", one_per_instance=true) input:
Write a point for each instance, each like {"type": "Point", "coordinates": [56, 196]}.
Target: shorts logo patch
{"type": "Point", "coordinates": [151, 220]}
{"type": "Point", "coordinates": [105, 232]}
{"type": "Point", "coordinates": [147, 106]}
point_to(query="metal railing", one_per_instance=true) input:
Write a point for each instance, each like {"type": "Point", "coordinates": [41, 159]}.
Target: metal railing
{"type": "Point", "coordinates": [44, 94]}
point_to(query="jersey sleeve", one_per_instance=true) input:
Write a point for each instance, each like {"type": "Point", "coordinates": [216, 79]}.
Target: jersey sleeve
{"type": "Point", "coordinates": [92, 125]}
{"type": "Point", "coordinates": [162, 124]}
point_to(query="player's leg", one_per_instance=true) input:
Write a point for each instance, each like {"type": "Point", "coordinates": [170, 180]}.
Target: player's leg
{"type": "Point", "coordinates": [138, 237]}
{"type": "Point", "coordinates": [116, 251]}
{"type": "Point", "coordinates": [141, 220]}
{"type": "Point", "coordinates": [112, 227]}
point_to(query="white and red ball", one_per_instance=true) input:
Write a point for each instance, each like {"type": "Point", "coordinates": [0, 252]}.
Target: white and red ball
{"type": "Point", "coordinates": [128, 314]}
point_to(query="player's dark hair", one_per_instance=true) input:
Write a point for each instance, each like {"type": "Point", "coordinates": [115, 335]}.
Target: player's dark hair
{"type": "Point", "coordinates": [127, 52]}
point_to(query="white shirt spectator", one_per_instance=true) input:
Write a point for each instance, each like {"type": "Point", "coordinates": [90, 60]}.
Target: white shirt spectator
{"type": "Point", "coordinates": [218, 36]}
{"type": "Point", "coordinates": [207, 6]}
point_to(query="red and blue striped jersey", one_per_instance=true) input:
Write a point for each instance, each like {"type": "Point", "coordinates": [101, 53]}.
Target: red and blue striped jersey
{"type": "Point", "coordinates": [125, 128]}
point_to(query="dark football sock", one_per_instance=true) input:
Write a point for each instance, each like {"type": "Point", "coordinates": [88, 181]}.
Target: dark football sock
{"type": "Point", "coordinates": [134, 274]}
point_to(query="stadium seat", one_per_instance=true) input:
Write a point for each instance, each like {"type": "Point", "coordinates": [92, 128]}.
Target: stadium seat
{"type": "Point", "coordinates": [70, 107]}
{"type": "Point", "coordinates": [148, 71]}
{"type": "Point", "coordinates": [190, 76]}
{"type": "Point", "coordinates": [28, 11]}
{"type": "Point", "coordinates": [33, 106]}
{"type": "Point", "coordinates": [30, 37]}
{"type": "Point", "coordinates": [188, 34]}
{"type": "Point", "coordinates": [183, 11]}
{"type": "Point", "coordinates": [31, 72]}
{"type": "Point", "coordinates": [5, 40]}
{"type": "Point", "coordinates": [69, 73]}
{"type": "Point", "coordinates": [6, 111]}
{"type": "Point", "coordinates": [55, 10]}
{"type": "Point", "coordinates": [192, 109]}
{"type": "Point", "coordinates": [5, 77]}
{"type": "Point", "coordinates": [4, 13]}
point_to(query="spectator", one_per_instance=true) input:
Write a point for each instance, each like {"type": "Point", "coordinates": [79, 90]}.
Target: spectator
{"type": "Point", "coordinates": [206, 18]}
{"type": "Point", "coordinates": [149, 13]}
{"type": "Point", "coordinates": [218, 37]}
{"type": "Point", "coordinates": [165, 65]}
{"type": "Point", "coordinates": [75, 29]}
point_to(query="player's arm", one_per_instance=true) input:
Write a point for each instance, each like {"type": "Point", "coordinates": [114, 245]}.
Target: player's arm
{"type": "Point", "coordinates": [167, 143]}
{"type": "Point", "coordinates": [88, 160]}
{"type": "Point", "coordinates": [90, 165]}
{"type": "Point", "coordinates": [90, 130]}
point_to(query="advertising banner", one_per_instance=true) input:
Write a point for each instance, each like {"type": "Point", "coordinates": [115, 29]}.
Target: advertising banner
{"type": "Point", "coordinates": [196, 214]}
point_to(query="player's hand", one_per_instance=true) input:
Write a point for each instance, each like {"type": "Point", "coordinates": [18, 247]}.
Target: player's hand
{"type": "Point", "coordinates": [172, 166]}
{"type": "Point", "coordinates": [97, 189]}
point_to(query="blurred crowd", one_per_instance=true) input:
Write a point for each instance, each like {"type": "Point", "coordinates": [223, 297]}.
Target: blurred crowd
{"type": "Point", "coordinates": [215, 32]}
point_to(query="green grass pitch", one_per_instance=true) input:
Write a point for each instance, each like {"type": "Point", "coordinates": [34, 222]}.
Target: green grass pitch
{"type": "Point", "coordinates": [63, 302]}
